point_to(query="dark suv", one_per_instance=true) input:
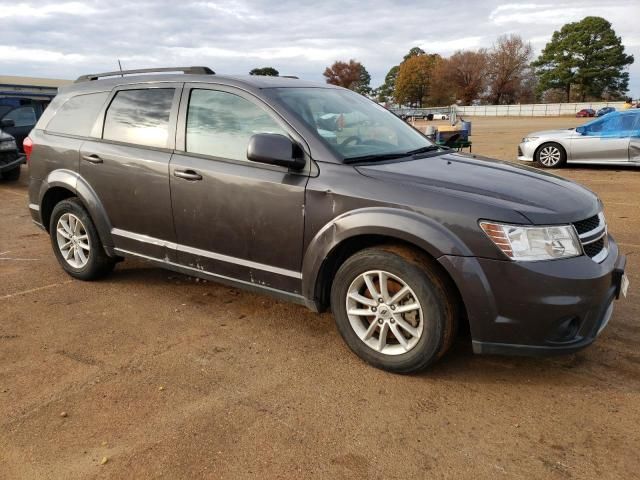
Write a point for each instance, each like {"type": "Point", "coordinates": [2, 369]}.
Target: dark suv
{"type": "Point", "coordinates": [320, 196]}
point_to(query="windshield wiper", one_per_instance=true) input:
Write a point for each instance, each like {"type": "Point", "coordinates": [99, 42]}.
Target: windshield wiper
{"type": "Point", "coordinates": [392, 156]}
{"type": "Point", "coordinates": [376, 156]}
{"type": "Point", "coordinates": [428, 148]}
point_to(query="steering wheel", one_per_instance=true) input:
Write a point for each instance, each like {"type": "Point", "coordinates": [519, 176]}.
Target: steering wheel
{"type": "Point", "coordinates": [352, 139]}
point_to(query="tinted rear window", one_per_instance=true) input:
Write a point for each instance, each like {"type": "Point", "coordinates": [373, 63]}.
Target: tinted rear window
{"type": "Point", "coordinates": [140, 117]}
{"type": "Point", "coordinates": [77, 115]}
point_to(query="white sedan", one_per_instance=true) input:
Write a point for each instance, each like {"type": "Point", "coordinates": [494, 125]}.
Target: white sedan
{"type": "Point", "coordinates": [610, 140]}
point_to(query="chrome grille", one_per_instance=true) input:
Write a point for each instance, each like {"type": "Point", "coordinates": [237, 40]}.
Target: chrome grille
{"type": "Point", "coordinates": [592, 232]}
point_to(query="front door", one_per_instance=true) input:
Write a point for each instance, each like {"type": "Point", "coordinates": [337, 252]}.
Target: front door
{"type": "Point", "coordinates": [603, 140]}
{"type": "Point", "coordinates": [233, 217]}
{"type": "Point", "coordinates": [128, 167]}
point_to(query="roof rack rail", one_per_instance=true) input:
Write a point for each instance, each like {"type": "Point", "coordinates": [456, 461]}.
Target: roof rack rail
{"type": "Point", "coordinates": [120, 73]}
{"type": "Point", "coordinates": [289, 76]}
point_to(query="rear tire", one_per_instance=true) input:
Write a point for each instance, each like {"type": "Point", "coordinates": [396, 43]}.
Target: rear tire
{"type": "Point", "coordinates": [426, 316]}
{"type": "Point", "coordinates": [11, 175]}
{"type": "Point", "coordinates": [76, 243]}
{"type": "Point", "coordinates": [551, 155]}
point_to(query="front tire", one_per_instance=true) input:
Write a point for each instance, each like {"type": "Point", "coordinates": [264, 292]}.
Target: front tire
{"type": "Point", "coordinates": [11, 175]}
{"type": "Point", "coordinates": [76, 243]}
{"type": "Point", "coordinates": [393, 308]}
{"type": "Point", "coordinates": [550, 155]}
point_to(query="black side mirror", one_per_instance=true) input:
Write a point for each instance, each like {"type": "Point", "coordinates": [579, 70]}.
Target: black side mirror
{"type": "Point", "coordinates": [7, 123]}
{"type": "Point", "coordinates": [275, 149]}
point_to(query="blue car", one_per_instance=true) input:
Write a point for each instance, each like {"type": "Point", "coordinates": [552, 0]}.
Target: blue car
{"type": "Point", "coordinates": [604, 111]}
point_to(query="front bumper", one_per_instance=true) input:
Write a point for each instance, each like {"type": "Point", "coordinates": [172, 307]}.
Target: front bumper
{"type": "Point", "coordinates": [537, 308]}
{"type": "Point", "coordinates": [526, 151]}
{"type": "Point", "coordinates": [9, 161]}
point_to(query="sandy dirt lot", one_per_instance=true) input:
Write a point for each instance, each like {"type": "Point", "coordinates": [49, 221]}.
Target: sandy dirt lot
{"type": "Point", "coordinates": [169, 377]}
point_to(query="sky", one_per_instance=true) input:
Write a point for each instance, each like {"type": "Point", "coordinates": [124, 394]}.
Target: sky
{"type": "Point", "coordinates": [64, 39]}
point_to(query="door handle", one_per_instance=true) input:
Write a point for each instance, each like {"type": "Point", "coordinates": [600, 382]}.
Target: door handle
{"type": "Point", "coordinates": [187, 174]}
{"type": "Point", "coordinates": [93, 158]}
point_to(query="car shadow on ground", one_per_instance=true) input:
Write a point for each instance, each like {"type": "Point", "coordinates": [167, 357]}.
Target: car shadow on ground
{"type": "Point", "coordinates": [460, 364]}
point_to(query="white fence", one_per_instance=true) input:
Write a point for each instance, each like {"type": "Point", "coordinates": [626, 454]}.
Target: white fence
{"type": "Point", "coordinates": [532, 110]}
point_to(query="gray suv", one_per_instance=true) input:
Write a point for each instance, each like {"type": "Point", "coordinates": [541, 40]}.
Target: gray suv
{"type": "Point", "coordinates": [317, 195]}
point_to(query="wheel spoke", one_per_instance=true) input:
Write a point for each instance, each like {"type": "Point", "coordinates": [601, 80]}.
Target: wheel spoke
{"type": "Point", "coordinates": [76, 256]}
{"type": "Point", "coordinates": [382, 340]}
{"type": "Point", "coordinates": [83, 257]}
{"type": "Point", "coordinates": [372, 328]}
{"type": "Point", "coordinates": [407, 308]}
{"type": "Point", "coordinates": [65, 226]}
{"type": "Point", "coordinates": [66, 245]}
{"type": "Point", "coordinates": [362, 312]}
{"type": "Point", "coordinates": [402, 323]}
{"type": "Point", "coordinates": [384, 291]}
{"type": "Point", "coordinates": [362, 299]}
{"type": "Point", "coordinates": [63, 233]}
{"type": "Point", "coordinates": [370, 286]}
{"type": "Point", "coordinates": [398, 296]}
{"type": "Point", "coordinates": [84, 246]}
{"type": "Point", "coordinates": [398, 334]}
{"type": "Point", "coordinates": [69, 253]}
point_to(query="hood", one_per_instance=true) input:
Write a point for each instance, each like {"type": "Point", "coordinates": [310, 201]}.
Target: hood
{"type": "Point", "coordinates": [541, 197]}
{"type": "Point", "coordinates": [552, 133]}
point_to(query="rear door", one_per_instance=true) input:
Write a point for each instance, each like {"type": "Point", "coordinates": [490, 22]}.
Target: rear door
{"type": "Point", "coordinates": [234, 217]}
{"type": "Point", "coordinates": [603, 140]}
{"type": "Point", "coordinates": [127, 164]}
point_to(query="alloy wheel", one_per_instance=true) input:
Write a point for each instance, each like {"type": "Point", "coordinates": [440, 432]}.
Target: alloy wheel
{"type": "Point", "coordinates": [550, 156]}
{"type": "Point", "coordinates": [73, 240]}
{"type": "Point", "coordinates": [384, 312]}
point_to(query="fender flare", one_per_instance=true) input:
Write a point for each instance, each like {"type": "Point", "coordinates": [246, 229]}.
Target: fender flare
{"type": "Point", "coordinates": [405, 225]}
{"type": "Point", "coordinates": [73, 182]}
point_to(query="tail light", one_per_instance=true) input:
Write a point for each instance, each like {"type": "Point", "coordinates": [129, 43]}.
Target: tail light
{"type": "Point", "coordinates": [27, 146]}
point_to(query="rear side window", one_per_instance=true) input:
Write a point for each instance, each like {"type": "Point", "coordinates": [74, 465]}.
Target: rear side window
{"type": "Point", "coordinates": [220, 124]}
{"type": "Point", "coordinates": [140, 117]}
{"type": "Point", "coordinates": [22, 116]}
{"type": "Point", "coordinates": [77, 115]}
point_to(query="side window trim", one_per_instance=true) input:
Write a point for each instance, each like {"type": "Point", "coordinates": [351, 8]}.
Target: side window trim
{"type": "Point", "coordinates": [98, 127]}
{"type": "Point", "coordinates": [58, 108]}
{"type": "Point", "coordinates": [181, 130]}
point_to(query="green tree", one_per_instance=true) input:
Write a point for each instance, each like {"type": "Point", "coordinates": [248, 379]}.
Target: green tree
{"type": "Point", "coordinates": [266, 71]}
{"type": "Point", "coordinates": [584, 58]}
{"type": "Point", "coordinates": [386, 91]}
{"type": "Point", "coordinates": [364, 82]}
{"type": "Point", "coordinates": [414, 52]}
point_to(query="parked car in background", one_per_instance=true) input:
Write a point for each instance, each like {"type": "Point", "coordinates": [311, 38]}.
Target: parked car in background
{"type": "Point", "coordinates": [613, 139]}
{"type": "Point", "coordinates": [246, 181]}
{"type": "Point", "coordinates": [10, 158]}
{"type": "Point", "coordinates": [19, 120]}
{"type": "Point", "coordinates": [440, 116]}
{"type": "Point", "coordinates": [586, 112]}
{"type": "Point", "coordinates": [603, 111]}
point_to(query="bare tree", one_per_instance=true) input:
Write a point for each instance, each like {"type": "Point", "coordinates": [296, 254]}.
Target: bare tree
{"type": "Point", "coordinates": [465, 72]}
{"type": "Point", "coordinates": [508, 62]}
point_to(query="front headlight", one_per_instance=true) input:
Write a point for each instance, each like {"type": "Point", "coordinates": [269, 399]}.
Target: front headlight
{"type": "Point", "coordinates": [529, 139]}
{"type": "Point", "coordinates": [8, 145]}
{"type": "Point", "coordinates": [524, 243]}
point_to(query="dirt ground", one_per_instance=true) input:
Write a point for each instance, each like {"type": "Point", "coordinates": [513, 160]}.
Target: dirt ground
{"type": "Point", "coordinates": [168, 377]}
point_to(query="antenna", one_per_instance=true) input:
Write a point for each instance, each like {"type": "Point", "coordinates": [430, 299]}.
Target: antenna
{"type": "Point", "coordinates": [120, 66]}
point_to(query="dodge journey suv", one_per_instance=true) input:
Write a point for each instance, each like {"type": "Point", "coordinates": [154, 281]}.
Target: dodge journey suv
{"type": "Point", "coordinates": [317, 195]}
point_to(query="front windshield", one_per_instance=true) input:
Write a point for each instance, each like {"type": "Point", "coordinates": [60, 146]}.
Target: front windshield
{"type": "Point", "coordinates": [353, 126]}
